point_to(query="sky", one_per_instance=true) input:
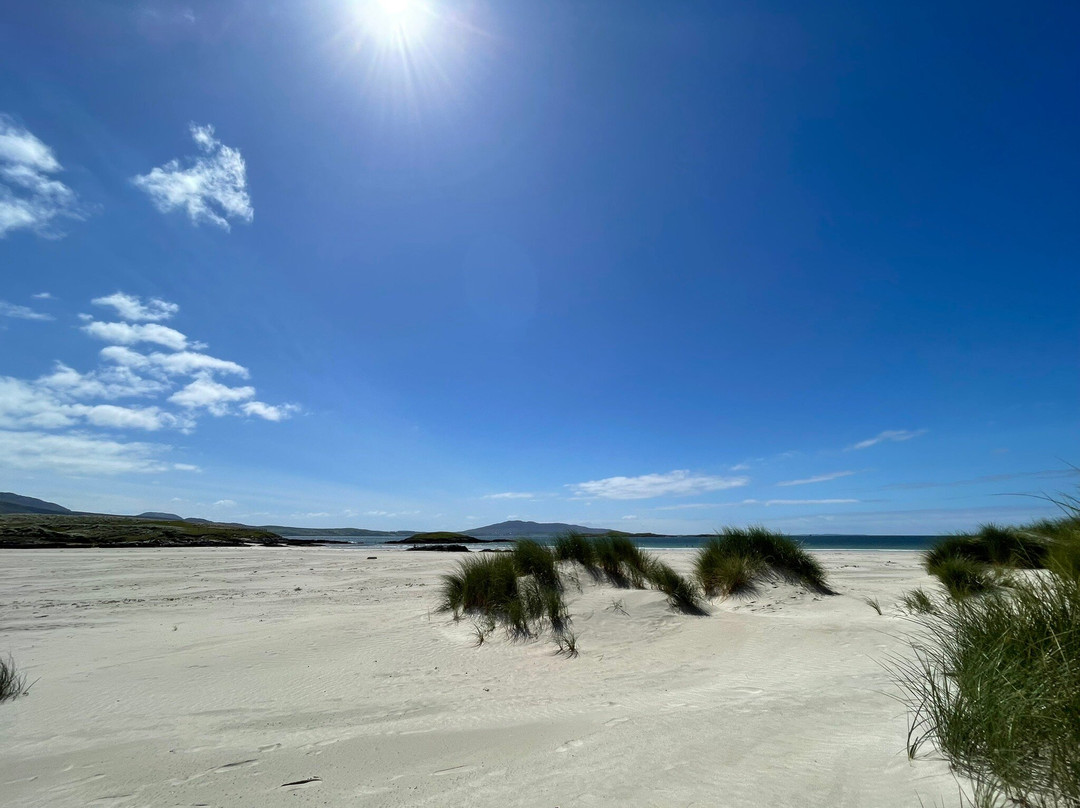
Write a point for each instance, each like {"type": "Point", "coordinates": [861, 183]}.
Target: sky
{"type": "Point", "coordinates": [432, 264]}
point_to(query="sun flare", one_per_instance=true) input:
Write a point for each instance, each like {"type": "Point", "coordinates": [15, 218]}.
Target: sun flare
{"type": "Point", "coordinates": [397, 21]}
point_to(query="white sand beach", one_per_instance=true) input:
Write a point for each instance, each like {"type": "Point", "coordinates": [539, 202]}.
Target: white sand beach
{"type": "Point", "coordinates": [292, 677]}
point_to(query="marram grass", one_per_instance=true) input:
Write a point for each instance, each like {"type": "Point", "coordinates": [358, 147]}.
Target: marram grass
{"type": "Point", "coordinates": [12, 683]}
{"type": "Point", "coordinates": [994, 683]}
{"type": "Point", "coordinates": [736, 561]}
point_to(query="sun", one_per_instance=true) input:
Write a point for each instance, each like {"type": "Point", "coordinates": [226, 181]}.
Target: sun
{"type": "Point", "coordinates": [397, 22]}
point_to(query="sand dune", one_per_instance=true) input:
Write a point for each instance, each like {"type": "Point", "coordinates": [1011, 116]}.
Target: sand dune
{"type": "Point", "coordinates": [282, 677]}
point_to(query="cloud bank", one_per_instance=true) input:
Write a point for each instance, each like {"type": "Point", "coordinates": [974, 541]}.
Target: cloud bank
{"type": "Point", "coordinates": [76, 422]}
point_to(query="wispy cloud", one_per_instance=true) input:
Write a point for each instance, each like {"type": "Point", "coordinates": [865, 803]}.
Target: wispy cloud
{"type": "Point", "coordinates": [674, 483]}
{"type": "Point", "coordinates": [65, 405]}
{"type": "Point", "coordinates": [510, 495]}
{"type": "Point", "coordinates": [42, 296]}
{"type": "Point", "coordinates": [771, 502]}
{"type": "Point", "coordinates": [210, 188]}
{"type": "Point", "coordinates": [128, 334]}
{"type": "Point", "coordinates": [990, 478]}
{"type": "Point", "coordinates": [688, 506]}
{"type": "Point", "coordinates": [21, 312]}
{"type": "Point", "coordinates": [31, 198]}
{"type": "Point", "coordinates": [820, 478]}
{"type": "Point", "coordinates": [889, 435]}
{"type": "Point", "coordinates": [130, 307]}
{"type": "Point", "coordinates": [81, 454]}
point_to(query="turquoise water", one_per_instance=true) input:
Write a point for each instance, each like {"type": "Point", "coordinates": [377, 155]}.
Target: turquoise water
{"type": "Point", "coordinates": [817, 542]}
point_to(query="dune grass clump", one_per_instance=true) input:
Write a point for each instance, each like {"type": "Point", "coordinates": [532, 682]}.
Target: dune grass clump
{"type": "Point", "coordinates": [12, 683]}
{"type": "Point", "coordinates": [995, 686]}
{"type": "Point", "coordinates": [963, 578]}
{"type": "Point", "coordinates": [532, 558]}
{"type": "Point", "coordinates": [621, 561]}
{"type": "Point", "coordinates": [496, 587]}
{"type": "Point", "coordinates": [682, 594]}
{"type": "Point", "coordinates": [1002, 546]}
{"type": "Point", "coordinates": [736, 560]}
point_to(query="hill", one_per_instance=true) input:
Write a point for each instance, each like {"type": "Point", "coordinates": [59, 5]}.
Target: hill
{"type": "Point", "coordinates": [168, 517]}
{"type": "Point", "coordinates": [71, 530]}
{"type": "Point", "coordinates": [16, 503]}
{"type": "Point", "coordinates": [516, 528]}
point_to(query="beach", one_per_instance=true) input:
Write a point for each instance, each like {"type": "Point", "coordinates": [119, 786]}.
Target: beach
{"type": "Point", "coordinates": [266, 676]}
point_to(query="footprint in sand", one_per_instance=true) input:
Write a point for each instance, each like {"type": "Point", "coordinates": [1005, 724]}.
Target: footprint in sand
{"type": "Point", "coordinates": [569, 745]}
{"type": "Point", "coordinates": [615, 721]}
{"type": "Point", "coordinates": [270, 747]}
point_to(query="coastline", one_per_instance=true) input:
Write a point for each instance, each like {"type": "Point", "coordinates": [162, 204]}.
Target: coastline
{"type": "Point", "coordinates": [244, 671]}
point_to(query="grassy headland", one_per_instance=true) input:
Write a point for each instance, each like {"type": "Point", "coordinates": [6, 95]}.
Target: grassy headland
{"type": "Point", "coordinates": [47, 530]}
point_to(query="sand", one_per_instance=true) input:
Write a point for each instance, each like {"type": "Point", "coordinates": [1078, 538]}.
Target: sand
{"type": "Point", "coordinates": [293, 677]}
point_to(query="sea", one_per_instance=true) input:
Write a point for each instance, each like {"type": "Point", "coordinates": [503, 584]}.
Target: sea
{"type": "Point", "coordinates": [810, 542]}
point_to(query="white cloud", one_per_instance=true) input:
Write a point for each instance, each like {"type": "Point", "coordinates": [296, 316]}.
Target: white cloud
{"type": "Point", "coordinates": [21, 312]}
{"type": "Point", "coordinates": [148, 418]}
{"type": "Point", "coordinates": [30, 198]}
{"type": "Point", "coordinates": [673, 483]}
{"type": "Point", "coordinates": [131, 307]}
{"type": "Point", "coordinates": [78, 453]}
{"type": "Point", "coordinates": [42, 296]}
{"type": "Point", "coordinates": [820, 478]}
{"type": "Point", "coordinates": [212, 188]}
{"type": "Point", "coordinates": [771, 502]}
{"type": "Point", "coordinates": [510, 495]}
{"type": "Point", "coordinates": [58, 411]}
{"type": "Point", "coordinates": [629, 517]}
{"type": "Point", "coordinates": [108, 383]}
{"type": "Point", "coordinates": [173, 364]}
{"type": "Point", "coordinates": [888, 435]}
{"type": "Point", "coordinates": [691, 506]}
{"type": "Point", "coordinates": [128, 334]}
{"type": "Point", "coordinates": [213, 396]}
{"type": "Point", "coordinates": [225, 503]}
{"type": "Point", "coordinates": [269, 412]}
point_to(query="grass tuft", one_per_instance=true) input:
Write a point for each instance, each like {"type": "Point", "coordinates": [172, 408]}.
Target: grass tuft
{"type": "Point", "coordinates": [995, 685]}
{"type": "Point", "coordinates": [918, 602]}
{"type": "Point", "coordinates": [683, 594]}
{"type": "Point", "coordinates": [873, 604]}
{"type": "Point", "coordinates": [736, 560]}
{"type": "Point", "coordinates": [963, 577]}
{"type": "Point", "coordinates": [12, 683]}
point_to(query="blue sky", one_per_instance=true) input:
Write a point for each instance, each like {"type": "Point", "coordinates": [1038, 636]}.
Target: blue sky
{"type": "Point", "coordinates": [659, 266]}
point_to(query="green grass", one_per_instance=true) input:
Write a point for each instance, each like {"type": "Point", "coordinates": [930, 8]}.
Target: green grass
{"type": "Point", "coordinates": [963, 577]}
{"type": "Point", "coordinates": [532, 558]}
{"type": "Point", "coordinates": [995, 686]}
{"type": "Point", "coordinates": [12, 683]}
{"type": "Point", "coordinates": [1005, 546]}
{"type": "Point", "coordinates": [917, 601]}
{"type": "Point", "coordinates": [736, 560]}
{"type": "Point", "coordinates": [682, 594]}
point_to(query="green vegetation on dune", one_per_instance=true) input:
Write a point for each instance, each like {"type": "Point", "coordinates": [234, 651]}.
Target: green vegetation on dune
{"type": "Point", "coordinates": [735, 560]}
{"type": "Point", "coordinates": [994, 682]}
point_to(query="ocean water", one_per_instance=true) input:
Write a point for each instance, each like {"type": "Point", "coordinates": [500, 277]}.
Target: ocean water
{"type": "Point", "coordinates": [815, 542]}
